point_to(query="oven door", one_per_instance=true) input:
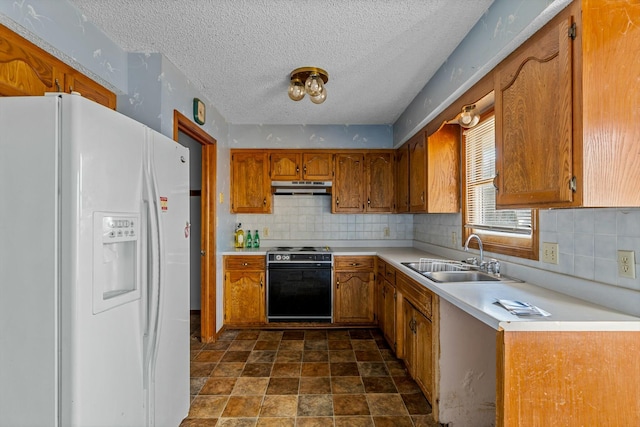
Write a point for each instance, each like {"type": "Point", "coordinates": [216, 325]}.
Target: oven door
{"type": "Point", "coordinates": [299, 292]}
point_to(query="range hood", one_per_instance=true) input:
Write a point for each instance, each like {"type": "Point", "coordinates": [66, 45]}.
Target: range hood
{"type": "Point", "coordinates": [301, 187]}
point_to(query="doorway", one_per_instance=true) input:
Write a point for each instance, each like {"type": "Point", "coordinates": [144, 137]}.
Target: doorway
{"type": "Point", "coordinates": [187, 133]}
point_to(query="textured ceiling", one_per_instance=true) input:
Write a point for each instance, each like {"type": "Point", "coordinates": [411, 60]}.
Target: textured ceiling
{"type": "Point", "coordinates": [379, 53]}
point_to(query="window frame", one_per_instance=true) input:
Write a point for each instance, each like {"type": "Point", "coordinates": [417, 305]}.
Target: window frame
{"type": "Point", "coordinates": [501, 243]}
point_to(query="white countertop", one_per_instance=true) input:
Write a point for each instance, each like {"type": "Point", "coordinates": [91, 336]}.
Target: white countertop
{"type": "Point", "coordinates": [478, 299]}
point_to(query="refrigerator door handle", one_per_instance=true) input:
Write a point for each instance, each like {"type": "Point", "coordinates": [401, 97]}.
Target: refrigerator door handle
{"type": "Point", "coordinates": [155, 282]}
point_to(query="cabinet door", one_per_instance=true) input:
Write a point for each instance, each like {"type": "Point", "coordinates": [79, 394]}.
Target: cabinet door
{"type": "Point", "coordinates": [250, 184]}
{"type": "Point", "coordinates": [409, 340]}
{"type": "Point", "coordinates": [389, 313]}
{"type": "Point", "coordinates": [423, 362]}
{"type": "Point", "coordinates": [379, 177]}
{"type": "Point", "coordinates": [443, 172]}
{"type": "Point", "coordinates": [285, 166]}
{"type": "Point", "coordinates": [354, 297]}
{"type": "Point", "coordinates": [348, 186]}
{"type": "Point", "coordinates": [402, 179]}
{"type": "Point", "coordinates": [88, 88]}
{"type": "Point", "coordinates": [317, 166]}
{"type": "Point", "coordinates": [418, 173]}
{"type": "Point", "coordinates": [533, 107]}
{"type": "Point", "coordinates": [24, 69]}
{"type": "Point", "coordinates": [244, 297]}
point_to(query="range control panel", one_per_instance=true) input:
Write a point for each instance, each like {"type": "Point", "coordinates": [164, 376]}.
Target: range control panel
{"type": "Point", "coordinates": [119, 229]}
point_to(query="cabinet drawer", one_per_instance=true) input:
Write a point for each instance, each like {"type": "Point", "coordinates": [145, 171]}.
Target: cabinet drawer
{"type": "Point", "coordinates": [390, 274]}
{"type": "Point", "coordinates": [418, 295]}
{"type": "Point", "coordinates": [256, 262]}
{"type": "Point", "coordinates": [382, 268]}
{"type": "Point", "coordinates": [350, 263]}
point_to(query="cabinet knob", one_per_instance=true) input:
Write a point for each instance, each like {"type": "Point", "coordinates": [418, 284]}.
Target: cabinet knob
{"type": "Point", "coordinates": [297, 168]}
{"type": "Point", "coordinates": [368, 201]}
{"type": "Point", "coordinates": [337, 201]}
{"type": "Point", "coordinates": [245, 264]}
{"type": "Point", "coordinates": [264, 202]}
{"type": "Point", "coordinates": [354, 264]}
{"type": "Point", "coordinates": [495, 181]}
{"type": "Point", "coordinates": [337, 284]}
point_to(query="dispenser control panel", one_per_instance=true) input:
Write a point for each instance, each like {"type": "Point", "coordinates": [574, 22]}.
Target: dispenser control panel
{"type": "Point", "coordinates": [119, 229]}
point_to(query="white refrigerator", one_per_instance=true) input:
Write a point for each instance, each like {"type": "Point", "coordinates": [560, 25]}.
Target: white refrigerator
{"type": "Point", "coordinates": [94, 267]}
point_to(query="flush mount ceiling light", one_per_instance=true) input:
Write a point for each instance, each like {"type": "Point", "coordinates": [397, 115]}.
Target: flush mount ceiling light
{"type": "Point", "coordinates": [469, 116]}
{"type": "Point", "coordinates": [310, 80]}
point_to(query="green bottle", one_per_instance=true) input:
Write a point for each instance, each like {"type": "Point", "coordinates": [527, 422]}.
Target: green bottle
{"type": "Point", "coordinates": [256, 240]}
{"type": "Point", "coordinates": [248, 240]}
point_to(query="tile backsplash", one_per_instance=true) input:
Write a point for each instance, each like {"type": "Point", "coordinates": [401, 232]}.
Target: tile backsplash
{"type": "Point", "coordinates": [588, 240]}
{"type": "Point", "coordinates": [307, 218]}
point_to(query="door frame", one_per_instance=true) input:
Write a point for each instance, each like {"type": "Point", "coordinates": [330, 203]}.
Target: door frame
{"type": "Point", "coordinates": [208, 215]}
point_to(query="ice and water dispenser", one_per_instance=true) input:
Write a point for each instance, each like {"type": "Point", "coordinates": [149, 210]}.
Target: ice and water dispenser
{"type": "Point", "coordinates": [116, 260]}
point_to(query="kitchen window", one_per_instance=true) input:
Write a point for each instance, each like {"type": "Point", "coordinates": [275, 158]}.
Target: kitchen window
{"type": "Point", "coordinates": [505, 231]}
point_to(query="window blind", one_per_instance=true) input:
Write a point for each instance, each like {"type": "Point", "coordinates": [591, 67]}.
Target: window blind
{"type": "Point", "coordinates": [481, 196]}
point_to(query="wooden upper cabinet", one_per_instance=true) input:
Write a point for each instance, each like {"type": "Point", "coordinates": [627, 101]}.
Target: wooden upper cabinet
{"type": "Point", "coordinates": [443, 170]}
{"type": "Point", "coordinates": [250, 182]}
{"type": "Point", "coordinates": [402, 179]}
{"type": "Point", "coordinates": [379, 170]}
{"type": "Point", "coordinates": [27, 70]}
{"type": "Point", "coordinates": [317, 166]}
{"type": "Point", "coordinates": [533, 105]}
{"type": "Point", "coordinates": [566, 130]}
{"type": "Point", "coordinates": [348, 188]}
{"type": "Point", "coordinates": [290, 165]}
{"type": "Point", "coordinates": [285, 165]}
{"type": "Point", "coordinates": [418, 173]}
{"type": "Point", "coordinates": [86, 87]}
{"type": "Point", "coordinates": [609, 126]}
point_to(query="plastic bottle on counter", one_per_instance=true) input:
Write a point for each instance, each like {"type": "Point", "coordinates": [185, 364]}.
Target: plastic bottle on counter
{"type": "Point", "coordinates": [239, 236]}
{"type": "Point", "coordinates": [249, 243]}
{"type": "Point", "coordinates": [256, 240]}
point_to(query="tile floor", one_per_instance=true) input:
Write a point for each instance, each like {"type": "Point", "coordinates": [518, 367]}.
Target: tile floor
{"type": "Point", "coordinates": [302, 378]}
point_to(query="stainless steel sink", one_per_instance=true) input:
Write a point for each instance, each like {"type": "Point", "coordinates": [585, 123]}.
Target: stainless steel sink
{"type": "Point", "coordinates": [462, 276]}
{"type": "Point", "coordinates": [447, 271]}
{"type": "Point", "coordinates": [428, 265]}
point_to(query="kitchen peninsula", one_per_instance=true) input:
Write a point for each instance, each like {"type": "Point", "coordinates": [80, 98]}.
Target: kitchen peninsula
{"type": "Point", "coordinates": [577, 366]}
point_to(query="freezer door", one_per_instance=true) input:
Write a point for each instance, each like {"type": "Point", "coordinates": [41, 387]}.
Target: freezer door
{"type": "Point", "coordinates": [102, 311]}
{"type": "Point", "coordinates": [29, 281]}
{"type": "Point", "coordinates": [169, 380]}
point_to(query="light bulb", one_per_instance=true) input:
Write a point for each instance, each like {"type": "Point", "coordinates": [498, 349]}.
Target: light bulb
{"type": "Point", "coordinates": [319, 99]}
{"type": "Point", "coordinates": [314, 85]}
{"type": "Point", "coordinates": [296, 89]}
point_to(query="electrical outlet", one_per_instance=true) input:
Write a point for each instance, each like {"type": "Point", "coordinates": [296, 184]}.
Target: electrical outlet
{"type": "Point", "coordinates": [265, 232]}
{"type": "Point", "coordinates": [387, 232]}
{"type": "Point", "coordinates": [454, 238]}
{"type": "Point", "coordinates": [550, 252]}
{"type": "Point", "coordinates": [627, 264]}
{"type": "Point", "coordinates": [221, 197]}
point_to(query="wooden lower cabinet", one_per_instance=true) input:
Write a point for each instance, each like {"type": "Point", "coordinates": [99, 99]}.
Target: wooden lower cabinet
{"type": "Point", "coordinates": [568, 378]}
{"type": "Point", "coordinates": [244, 290]}
{"type": "Point", "coordinates": [418, 341]}
{"type": "Point", "coordinates": [354, 295]}
{"type": "Point", "coordinates": [386, 302]}
{"type": "Point", "coordinates": [418, 334]}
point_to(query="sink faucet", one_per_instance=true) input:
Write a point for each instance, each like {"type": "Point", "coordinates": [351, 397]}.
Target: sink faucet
{"type": "Point", "coordinates": [466, 247]}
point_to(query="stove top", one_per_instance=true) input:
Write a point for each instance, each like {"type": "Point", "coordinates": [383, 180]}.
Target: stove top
{"type": "Point", "coordinates": [301, 249]}
{"type": "Point", "coordinates": [300, 254]}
